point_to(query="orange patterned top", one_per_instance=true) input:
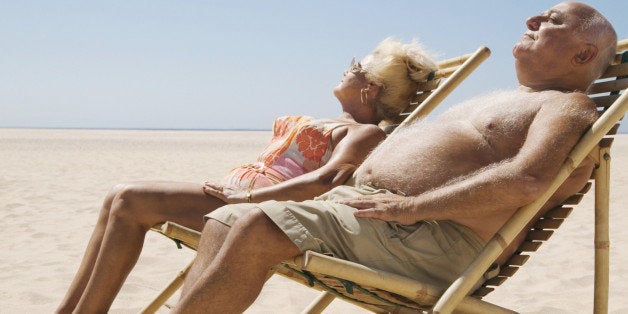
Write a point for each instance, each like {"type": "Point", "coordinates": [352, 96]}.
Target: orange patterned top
{"type": "Point", "coordinates": [300, 144]}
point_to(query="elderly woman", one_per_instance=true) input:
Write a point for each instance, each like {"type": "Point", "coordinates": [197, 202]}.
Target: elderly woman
{"type": "Point", "coordinates": [305, 158]}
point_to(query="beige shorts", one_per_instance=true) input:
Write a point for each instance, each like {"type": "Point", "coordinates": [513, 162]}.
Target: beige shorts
{"type": "Point", "coordinates": [435, 252]}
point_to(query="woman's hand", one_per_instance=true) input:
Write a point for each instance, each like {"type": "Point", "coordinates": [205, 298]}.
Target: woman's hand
{"type": "Point", "coordinates": [387, 207]}
{"type": "Point", "coordinates": [227, 194]}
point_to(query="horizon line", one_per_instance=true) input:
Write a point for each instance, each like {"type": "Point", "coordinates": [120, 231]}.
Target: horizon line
{"type": "Point", "coordinates": [128, 128]}
{"type": "Point", "coordinates": [154, 129]}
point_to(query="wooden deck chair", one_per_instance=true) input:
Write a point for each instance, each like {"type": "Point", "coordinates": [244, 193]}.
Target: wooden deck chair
{"type": "Point", "coordinates": [450, 74]}
{"type": "Point", "coordinates": [381, 292]}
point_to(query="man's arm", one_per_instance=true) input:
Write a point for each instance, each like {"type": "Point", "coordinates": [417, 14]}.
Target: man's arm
{"type": "Point", "coordinates": [501, 187]}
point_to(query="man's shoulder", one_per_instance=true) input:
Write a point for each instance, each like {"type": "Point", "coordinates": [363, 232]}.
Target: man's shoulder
{"type": "Point", "coordinates": [569, 98]}
{"type": "Point", "coordinates": [570, 106]}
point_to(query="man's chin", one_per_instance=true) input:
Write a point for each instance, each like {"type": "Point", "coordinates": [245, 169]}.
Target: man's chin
{"type": "Point", "coordinates": [519, 49]}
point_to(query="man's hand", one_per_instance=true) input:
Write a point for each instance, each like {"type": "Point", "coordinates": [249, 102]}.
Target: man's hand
{"type": "Point", "coordinates": [227, 194]}
{"type": "Point", "coordinates": [387, 207]}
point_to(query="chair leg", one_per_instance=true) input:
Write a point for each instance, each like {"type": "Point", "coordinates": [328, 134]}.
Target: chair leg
{"type": "Point", "coordinates": [319, 304]}
{"type": "Point", "coordinates": [174, 285]}
{"type": "Point", "coordinates": [602, 242]}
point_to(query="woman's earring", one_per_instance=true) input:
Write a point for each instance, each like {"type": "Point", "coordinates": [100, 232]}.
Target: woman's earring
{"type": "Point", "coordinates": [364, 96]}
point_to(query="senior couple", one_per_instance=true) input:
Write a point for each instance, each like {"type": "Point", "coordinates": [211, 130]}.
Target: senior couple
{"type": "Point", "coordinates": [424, 201]}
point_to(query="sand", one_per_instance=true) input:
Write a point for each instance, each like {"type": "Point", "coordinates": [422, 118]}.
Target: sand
{"type": "Point", "coordinates": [52, 183]}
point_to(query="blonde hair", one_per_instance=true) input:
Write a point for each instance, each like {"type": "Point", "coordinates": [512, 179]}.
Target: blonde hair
{"type": "Point", "coordinates": [400, 70]}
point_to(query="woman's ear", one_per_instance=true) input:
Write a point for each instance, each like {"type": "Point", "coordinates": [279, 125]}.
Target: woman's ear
{"type": "Point", "coordinates": [373, 90]}
{"type": "Point", "coordinates": [586, 54]}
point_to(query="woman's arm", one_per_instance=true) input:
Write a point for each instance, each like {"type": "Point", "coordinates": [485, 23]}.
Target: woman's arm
{"type": "Point", "coordinates": [351, 146]}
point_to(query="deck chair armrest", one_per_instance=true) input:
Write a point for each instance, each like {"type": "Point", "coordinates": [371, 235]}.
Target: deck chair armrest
{"type": "Point", "coordinates": [366, 276]}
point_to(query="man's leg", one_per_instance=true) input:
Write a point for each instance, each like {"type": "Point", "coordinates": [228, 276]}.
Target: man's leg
{"type": "Point", "coordinates": [230, 281]}
{"type": "Point", "coordinates": [211, 241]}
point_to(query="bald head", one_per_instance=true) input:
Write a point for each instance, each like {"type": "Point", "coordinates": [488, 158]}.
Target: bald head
{"type": "Point", "coordinates": [596, 30]}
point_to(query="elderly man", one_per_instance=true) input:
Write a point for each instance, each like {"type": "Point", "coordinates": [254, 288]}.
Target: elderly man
{"type": "Point", "coordinates": [427, 199]}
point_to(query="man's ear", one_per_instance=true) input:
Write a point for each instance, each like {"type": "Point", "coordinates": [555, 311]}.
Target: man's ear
{"type": "Point", "coordinates": [586, 54]}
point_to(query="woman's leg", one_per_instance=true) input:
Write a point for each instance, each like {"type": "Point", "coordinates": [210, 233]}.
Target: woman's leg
{"type": "Point", "coordinates": [128, 212]}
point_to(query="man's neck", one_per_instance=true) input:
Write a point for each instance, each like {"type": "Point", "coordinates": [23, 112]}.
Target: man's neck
{"type": "Point", "coordinates": [558, 85]}
{"type": "Point", "coordinates": [541, 88]}
{"type": "Point", "coordinates": [537, 82]}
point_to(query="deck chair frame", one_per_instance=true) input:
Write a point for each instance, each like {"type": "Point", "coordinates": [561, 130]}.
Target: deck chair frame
{"type": "Point", "coordinates": [450, 74]}
{"type": "Point", "coordinates": [456, 297]}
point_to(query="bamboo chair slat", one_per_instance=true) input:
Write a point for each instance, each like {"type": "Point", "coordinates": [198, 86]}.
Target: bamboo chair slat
{"type": "Point", "coordinates": [539, 235]}
{"type": "Point", "coordinates": [420, 98]}
{"type": "Point", "coordinates": [586, 188]}
{"type": "Point", "coordinates": [604, 101]}
{"type": "Point", "coordinates": [606, 86]}
{"type": "Point", "coordinates": [529, 246]}
{"type": "Point", "coordinates": [428, 86]}
{"type": "Point", "coordinates": [573, 200]}
{"type": "Point", "coordinates": [508, 271]}
{"type": "Point", "coordinates": [496, 281]}
{"type": "Point", "coordinates": [546, 223]}
{"type": "Point", "coordinates": [518, 260]}
{"type": "Point", "coordinates": [559, 212]}
{"type": "Point", "coordinates": [613, 130]}
{"type": "Point", "coordinates": [444, 72]}
{"type": "Point", "coordinates": [606, 142]}
{"type": "Point", "coordinates": [615, 70]}
{"type": "Point", "coordinates": [456, 61]}
{"type": "Point", "coordinates": [618, 59]}
{"type": "Point", "coordinates": [482, 291]}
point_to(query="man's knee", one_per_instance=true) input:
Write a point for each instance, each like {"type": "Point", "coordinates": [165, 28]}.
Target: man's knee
{"type": "Point", "coordinates": [255, 221]}
{"type": "Point", "coordinates": [262, 236]}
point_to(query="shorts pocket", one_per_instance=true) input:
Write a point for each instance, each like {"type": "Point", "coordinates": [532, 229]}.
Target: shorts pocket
{"type": "Point", "coordinates": [418, 242]}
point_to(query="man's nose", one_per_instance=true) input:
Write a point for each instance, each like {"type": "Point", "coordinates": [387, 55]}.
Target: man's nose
{"type": "Point", "coordinates": [533, 23]}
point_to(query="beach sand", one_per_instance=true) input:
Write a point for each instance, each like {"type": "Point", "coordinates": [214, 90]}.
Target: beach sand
{"type": "Point", "coordinates": [52, 183]}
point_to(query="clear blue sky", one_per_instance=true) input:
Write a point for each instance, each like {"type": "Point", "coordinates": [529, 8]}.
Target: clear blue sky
{"type": "Point", "coordinates": [229, 64]}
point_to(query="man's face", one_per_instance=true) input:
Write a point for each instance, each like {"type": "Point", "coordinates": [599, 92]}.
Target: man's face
{"type": "Point", "coordinates": [551, 36]}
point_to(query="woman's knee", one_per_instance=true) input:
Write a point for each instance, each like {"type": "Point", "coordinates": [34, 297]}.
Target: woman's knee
{"type": "Point", "coordinates": [114, 192]}
{"type": "Point", "coordinates": [109, 199]}
{"type": "Point", "coordinates": [129, 201]}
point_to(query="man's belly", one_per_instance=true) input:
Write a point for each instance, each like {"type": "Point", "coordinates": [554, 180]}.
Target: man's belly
{"type": "Point", "coordinates": [425, 157]}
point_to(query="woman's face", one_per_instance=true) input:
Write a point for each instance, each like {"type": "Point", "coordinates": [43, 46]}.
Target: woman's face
{"type": "Point", "coordinates": [353, 81]}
